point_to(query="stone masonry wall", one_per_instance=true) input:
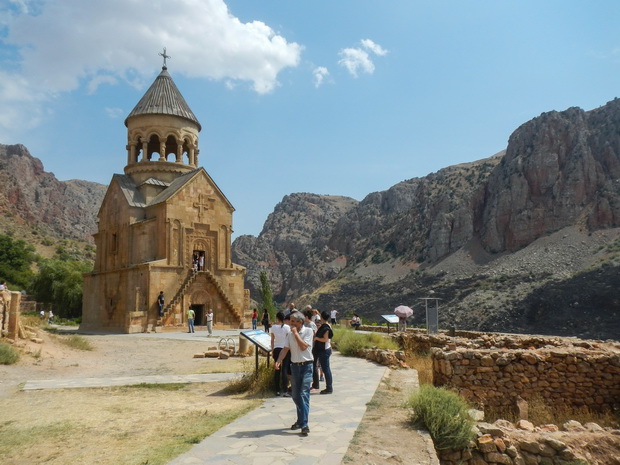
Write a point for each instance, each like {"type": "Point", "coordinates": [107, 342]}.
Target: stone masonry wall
{"type": "Point", "coordinates": [497, 378]}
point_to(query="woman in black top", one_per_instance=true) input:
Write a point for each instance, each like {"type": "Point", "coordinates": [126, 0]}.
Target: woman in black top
{"type": "Point", "coordinates": [321, 341]}
{"type": "Point", "coordinates": [265, 321]}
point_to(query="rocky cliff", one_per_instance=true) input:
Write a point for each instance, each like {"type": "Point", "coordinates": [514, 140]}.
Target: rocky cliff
{"type": "Point", "coordinates": [293, 246]}
{"type": "Point", "coordinates": [33, 199]}
{"type": "Point", "coordinates": [560, 169]}
{"type": "Point", "coordinates": [489, 238]}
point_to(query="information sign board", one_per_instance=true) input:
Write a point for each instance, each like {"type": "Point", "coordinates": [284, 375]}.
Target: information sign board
{"type": "Point", "coordinates": [259, 338]}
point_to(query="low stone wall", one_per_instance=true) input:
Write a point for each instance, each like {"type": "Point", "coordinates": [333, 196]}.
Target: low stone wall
{"type": "Point", "coordinates": [522, 444]}
{"type": "Point", "coordinates": [386, 357]}
{"type": "Point", "coordinates": [563, 376]}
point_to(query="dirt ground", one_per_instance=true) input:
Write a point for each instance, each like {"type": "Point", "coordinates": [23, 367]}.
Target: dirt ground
{"type": "Point", "coordinates": [124, 425]}
{"type": "Point", "coordinates": [385, 435]}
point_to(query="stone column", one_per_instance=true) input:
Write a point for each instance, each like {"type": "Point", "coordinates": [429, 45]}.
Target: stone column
{"type": "Point", "coordinates": [180, 153]}
{"type": "Point", "coordinates": [13, 327]}
{"type": "Point", "coordinates": [162, 151]}
{"type": "Point", "coordinates": [145, 151]}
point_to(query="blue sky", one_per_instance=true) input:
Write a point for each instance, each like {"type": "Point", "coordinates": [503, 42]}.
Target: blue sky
{"type": "Point", "coordinates": [331, 97]}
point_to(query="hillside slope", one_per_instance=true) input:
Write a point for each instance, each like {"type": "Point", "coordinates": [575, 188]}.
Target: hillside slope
{"type": "Point", "coordinates": [37, 207]}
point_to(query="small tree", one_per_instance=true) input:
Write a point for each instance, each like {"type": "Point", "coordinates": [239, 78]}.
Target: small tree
{"type": "Point", "coordinates": [60, 283]}
{"type": "Point", "coordinates": [267, 296]}
{"type": "Point", "coordinates": [15, 259]}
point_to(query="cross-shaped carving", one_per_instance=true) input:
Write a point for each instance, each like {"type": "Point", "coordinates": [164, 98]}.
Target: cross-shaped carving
{"type": "Point", "coordinates": [203, 204]}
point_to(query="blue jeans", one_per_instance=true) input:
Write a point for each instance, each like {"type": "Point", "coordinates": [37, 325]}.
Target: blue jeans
{"type": "Point", "coordinates": [190, 324]}
{"type": "Point", "coordinates": [254, 323]}
{"type": "Point", "coordinates": [324, 361]}
{"type": "Point", "coordinates": [301, 379]}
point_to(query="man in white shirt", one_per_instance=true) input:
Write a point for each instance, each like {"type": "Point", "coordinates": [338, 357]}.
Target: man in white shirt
{"type": "Point", "coordinates": [299, 343]}
{"type": "Point", "coordinates": [210, 322]}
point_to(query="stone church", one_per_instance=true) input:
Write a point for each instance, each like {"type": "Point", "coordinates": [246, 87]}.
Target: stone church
{"type": "Point", "coordinates": [164, 225]}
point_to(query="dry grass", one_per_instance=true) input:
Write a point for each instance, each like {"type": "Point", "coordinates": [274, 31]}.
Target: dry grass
{"type": "Point", "coordinates": [74, 341]}
{"type": "Point", "coordinates": [540, 412]}
{"type": "Point", "coordinates": [126, 425]}
{"type": "Point", "coordinates": [423, 363]}
{"type": "Point", "coordinates": [131, 425]}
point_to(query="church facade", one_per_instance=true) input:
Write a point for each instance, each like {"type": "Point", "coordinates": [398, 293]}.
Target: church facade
{"type": "Point", "coordinates": [164, 225]}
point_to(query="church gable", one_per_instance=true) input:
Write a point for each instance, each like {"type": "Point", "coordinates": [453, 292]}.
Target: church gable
{"type": "Point", "coordinates": [120, 198]}
{"type": "Point", "coordinates": [194, 183]}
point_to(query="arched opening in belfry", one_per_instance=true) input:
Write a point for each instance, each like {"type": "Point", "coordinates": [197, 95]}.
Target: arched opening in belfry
{"type": "Point", "coordinates": [185, 151]}
{"type": "Point", "coordinates": [138, 151]}
{"type": "Point", "coordinates": [171, 148]}
{"type": "Point", "coordinates": [153, 147]}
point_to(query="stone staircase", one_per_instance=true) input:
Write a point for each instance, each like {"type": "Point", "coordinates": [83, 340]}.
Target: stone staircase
{"type": "Point", "coordinates": [187, 282]}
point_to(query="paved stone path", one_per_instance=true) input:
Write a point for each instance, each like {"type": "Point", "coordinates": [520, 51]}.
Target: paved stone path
{"type": "Point", "coordinates": [264, 437]}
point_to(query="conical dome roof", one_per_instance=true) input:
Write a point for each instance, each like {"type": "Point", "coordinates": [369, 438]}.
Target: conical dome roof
{"type": "Point", "coordinates": [163, 98]}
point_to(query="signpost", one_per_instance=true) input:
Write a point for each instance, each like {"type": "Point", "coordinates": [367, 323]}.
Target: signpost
{"type": "Point", "coordinates": [261, 340]}
{"type": "Point", "coordinates": [390, 319]}
{"type": "Point", "coordinates": [432, 316]}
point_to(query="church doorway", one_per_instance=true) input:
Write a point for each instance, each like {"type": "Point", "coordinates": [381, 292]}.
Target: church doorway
{"type": "Point", "coordinates": [199, 319]}
{"type": "Point", "coordinates": [198, 260]}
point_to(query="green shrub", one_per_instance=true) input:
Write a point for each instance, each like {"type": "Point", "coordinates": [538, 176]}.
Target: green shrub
{"type": "Point", "coordinates": [8, 355]}
{"type": "Point", "coordinates": [444, 414]}
{"type": "Point", "coordinates": [351, 343]}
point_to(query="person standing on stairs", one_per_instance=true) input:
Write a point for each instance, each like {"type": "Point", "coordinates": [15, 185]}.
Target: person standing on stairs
{"type": "Point", "coordinates": [160, 302]}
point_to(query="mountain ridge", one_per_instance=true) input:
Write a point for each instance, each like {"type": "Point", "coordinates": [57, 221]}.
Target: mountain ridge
{"type": "Point", "coordinates": [559, 178]}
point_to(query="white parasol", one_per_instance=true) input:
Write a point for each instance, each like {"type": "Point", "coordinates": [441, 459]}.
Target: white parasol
{"type": "Point", "coordinates": [402, 311]}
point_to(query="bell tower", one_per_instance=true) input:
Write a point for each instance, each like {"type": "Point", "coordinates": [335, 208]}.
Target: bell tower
{"type": "Point", "coordinates": [162, 136]}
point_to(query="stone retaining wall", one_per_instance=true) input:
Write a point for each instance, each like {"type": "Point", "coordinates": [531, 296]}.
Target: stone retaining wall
{"type": "Point", "coordinates": [563, 376]}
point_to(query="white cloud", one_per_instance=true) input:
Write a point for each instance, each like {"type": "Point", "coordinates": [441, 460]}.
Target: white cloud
{"type": "Point", "coordinates": [114, 112]}
{"type": "Point", "coordinates": [96, 81]}
{"type": "Point", "coordinates": [320, 73]}
{"type": "Point", "coordinates": [73, 43]}
{"type": "Point", "coordinates": [21, 105]}
{"type": "Point", "coordinates": [357, 60]}
{"type": "Point", "coordinates": [375, 48]}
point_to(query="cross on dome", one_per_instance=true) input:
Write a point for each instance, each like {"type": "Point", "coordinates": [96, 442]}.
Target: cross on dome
{"type": "Point", "coordinates": [165, 56]}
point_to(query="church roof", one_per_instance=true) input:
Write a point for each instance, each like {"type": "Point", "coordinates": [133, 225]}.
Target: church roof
{"type": "Point", "coordinates": [135, 198]}
{"type": "Point", "coordinates": [174, 187]}
{"type": "Point", "coordinates": [129, 189]}
{"type": "Point", "coordinates": [163, 98]}
{"type": "Point", "coordinates": [155, 182]}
